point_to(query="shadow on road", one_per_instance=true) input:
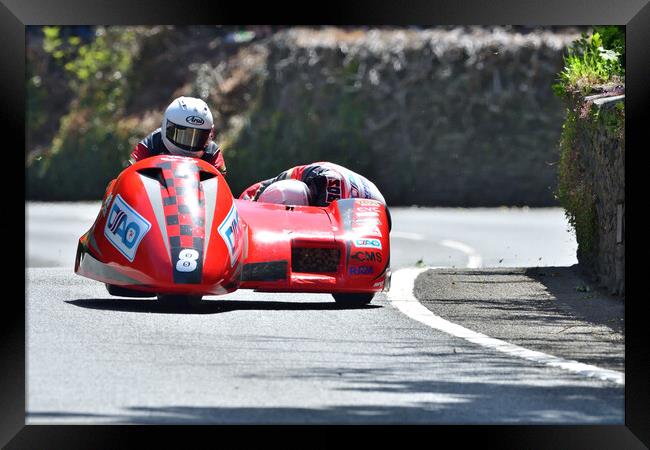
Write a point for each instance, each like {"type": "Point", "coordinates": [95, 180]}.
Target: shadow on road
{"type": "Point", "coordinates": [548, 309]}
{"type": "Point", "coordinates": [442, 402]}
{"type": "Point", "coordinates": [566, 284]}
{"type": "Point", "coordinates": [207, 306]}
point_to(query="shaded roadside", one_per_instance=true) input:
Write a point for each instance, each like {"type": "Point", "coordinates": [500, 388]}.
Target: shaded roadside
{"type": "Point", "coordinates": [549, 309]}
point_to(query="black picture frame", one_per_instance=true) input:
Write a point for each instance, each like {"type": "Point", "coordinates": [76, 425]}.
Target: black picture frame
{"type": "Point", "coordinates": [16, 14]}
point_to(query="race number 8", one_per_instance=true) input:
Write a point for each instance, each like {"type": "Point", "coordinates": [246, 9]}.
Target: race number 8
{"type": "Point", "coordinates": [187, 260]}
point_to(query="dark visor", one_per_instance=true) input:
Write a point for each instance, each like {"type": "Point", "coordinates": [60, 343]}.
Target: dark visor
{"type": "Point", "coordinates": [187, 138]}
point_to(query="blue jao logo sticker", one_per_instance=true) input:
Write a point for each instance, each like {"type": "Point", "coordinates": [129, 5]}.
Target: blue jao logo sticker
{"type": "Point", "coordinates": [230, 231]}
{"type": "Point", "coordinates": [125, 228]}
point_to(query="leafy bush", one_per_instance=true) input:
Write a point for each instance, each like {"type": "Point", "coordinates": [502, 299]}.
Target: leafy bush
{"type": "Point", "coordinates": [89, 153]}
{"type": "Point", "coordinates": [91, 146]}
{"type": "Point", "coordinates": [593, 60]}
{"type": "Point", "coordinates": [574, 192]}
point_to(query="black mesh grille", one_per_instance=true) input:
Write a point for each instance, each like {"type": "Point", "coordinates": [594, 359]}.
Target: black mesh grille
{"type": "Point", "coordinates": [314, 259]}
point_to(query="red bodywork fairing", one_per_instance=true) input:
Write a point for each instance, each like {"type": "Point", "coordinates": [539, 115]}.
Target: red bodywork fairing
{"type": "Point", "coordinates": [170, 225]}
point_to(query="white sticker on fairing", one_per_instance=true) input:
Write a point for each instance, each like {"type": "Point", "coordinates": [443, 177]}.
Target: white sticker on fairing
{"type": "Point", "coordinates": [125, 228]}
{"type": "Point", "coordinates": [229, 231]}
{"type": "Point", "coordinates": [187, 260]}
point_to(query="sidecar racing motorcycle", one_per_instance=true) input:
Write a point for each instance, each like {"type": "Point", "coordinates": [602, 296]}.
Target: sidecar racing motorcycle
{"type": "Point", "coordinates": [170, 228]}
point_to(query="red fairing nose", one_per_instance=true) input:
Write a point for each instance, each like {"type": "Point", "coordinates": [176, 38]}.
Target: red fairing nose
{"type": "Point", "coordinates": [159, 229]}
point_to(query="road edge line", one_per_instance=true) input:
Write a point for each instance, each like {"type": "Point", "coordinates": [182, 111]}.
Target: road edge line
{"type": "Point", "coordinates": [401, 296]}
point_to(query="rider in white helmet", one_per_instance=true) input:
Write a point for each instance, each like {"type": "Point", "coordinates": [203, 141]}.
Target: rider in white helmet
{"type": "Point", "coordinates": [187, 130]}
{"type": "Point", "coordinates": [286, 192]}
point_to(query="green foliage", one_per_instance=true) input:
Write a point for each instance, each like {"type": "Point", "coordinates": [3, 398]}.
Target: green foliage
{"type": "Point", "coordinates": [275, 139]}
{"type": "Point", "coordinates": [98, 69]}
{"type": "Point", "coordinates": [593, 60]}
{"type": "Point", "coordinates": [91, 146]}
{"type": "Point", "coordinates": [89, 154]}
{"type": "Point", "coordinates": [574, 190]}
{"type": "Point", "coordinates": [36, 99]}
{"type": "Point", "coordinates": [613, 37]}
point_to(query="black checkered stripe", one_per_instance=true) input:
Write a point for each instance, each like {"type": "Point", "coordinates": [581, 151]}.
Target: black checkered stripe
{"type": "Point", "coordinates": [184, 208]}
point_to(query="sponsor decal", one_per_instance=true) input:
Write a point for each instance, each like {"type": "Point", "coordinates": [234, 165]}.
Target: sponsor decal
{"type": "Point", "coordinates": [333, 189]}
{"type": "Point", "coordinates": [367, 203]}
{"type": "Point", "coordinates": [367, 227]}
{"type": "Point", "coordinates": [367, 214]}
{"type": "Point", "coordinates": [366, 190]}
{"type": "Point", "coordinates": [230, 231]}
{"type": "Point", "coordinates": [365, 220]}
{"type": "Point", "coordinates": [366, 256]}
{"type": "Point", "coordinates": [368, 243]}
{"type": "Point", "coordinates": [367, 209]}
{"type": "Point", "coordinates": [360, 270]}
{"type": "Point", "coordinates": [125, 228]}
{"type": "Point", "coordinates": [195, 120]}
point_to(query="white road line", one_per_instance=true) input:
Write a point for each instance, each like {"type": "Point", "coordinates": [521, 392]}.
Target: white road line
{"type": "Point", "coordinates": [401, 296]}
{"type": "Point", "coordinates": [406, 235]}
{"type": "Point", "coordinates": [474, 260]}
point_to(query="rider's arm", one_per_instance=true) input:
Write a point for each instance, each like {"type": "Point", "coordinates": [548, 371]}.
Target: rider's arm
{"type": "Point", "coordinates": [145, 148]}
{"type": "Point", "coordinates": [217, 161]}
{"type": "Point", "coordinates": [266, 183]}
{"type": "Point", "coordinates": [140, 152]}
{"type": "Point", "coordinates": [261, 187]}
{"type": "Point", "coordinates": [249, 193]}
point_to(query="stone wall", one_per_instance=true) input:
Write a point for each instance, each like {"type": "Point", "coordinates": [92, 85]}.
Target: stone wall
{"type": "Point", "coordinates": [599, 145]}
{"type": "Point", "coordinates": [445, 117]}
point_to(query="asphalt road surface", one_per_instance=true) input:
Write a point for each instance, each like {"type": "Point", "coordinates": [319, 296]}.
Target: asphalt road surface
{"type": "Point", "coordinates": [293, 358]}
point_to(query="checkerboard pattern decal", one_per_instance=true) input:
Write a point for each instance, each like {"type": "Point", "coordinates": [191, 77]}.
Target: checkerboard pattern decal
{"type": "Point", "coordinates": [184, 208]}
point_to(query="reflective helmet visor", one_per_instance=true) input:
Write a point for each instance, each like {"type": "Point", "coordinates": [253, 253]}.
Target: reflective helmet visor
{"type": "Point", "coordinates": [187, 138]}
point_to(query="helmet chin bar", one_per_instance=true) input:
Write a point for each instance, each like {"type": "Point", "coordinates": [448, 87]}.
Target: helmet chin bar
{"type": "Point", "coordinates": [177, 151]}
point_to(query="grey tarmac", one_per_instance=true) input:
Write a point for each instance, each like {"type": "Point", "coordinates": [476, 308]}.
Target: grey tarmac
{"type": "Point", "coordinates": [277, 358]}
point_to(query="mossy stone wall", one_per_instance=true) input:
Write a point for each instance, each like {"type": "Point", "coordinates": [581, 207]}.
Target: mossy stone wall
{"type": "Point", "coordinates": [592, 183]}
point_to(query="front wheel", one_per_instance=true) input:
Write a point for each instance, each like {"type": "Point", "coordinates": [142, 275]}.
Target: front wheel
{"type": "Point", "coordinates": [180, 301]}
{"type": "Point", "coordinates": [353, 299]}
{"type": "Point", "coordinates": [121, 291]}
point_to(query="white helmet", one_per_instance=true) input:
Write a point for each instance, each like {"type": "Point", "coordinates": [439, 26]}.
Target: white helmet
{"type": "Point", "coordinates": [286, 192]}
{"type": "Point", "coordinates": [186, 127]}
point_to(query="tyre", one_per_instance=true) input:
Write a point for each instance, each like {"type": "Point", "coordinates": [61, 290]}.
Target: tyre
{"type": "Point", "coordinates": [126, 292]}
{"type": "Point", "coordinates": [180, 301]}
{"type": "Point", "coordinates": [353, 299]}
